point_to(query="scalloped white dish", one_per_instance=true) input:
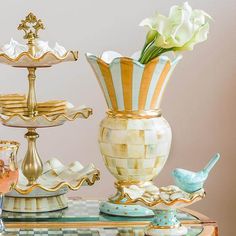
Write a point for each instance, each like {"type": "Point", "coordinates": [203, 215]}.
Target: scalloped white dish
{"type": "Point", "coordinates": [43, 121]}
{"type": "Point", "coordinates": [57, 179]}
{"type": "Point", "coordinates": [46, 60]}
{"type": "Point", "coordinates": [17, 55]}
{"type": "Point", "coordinates": [170, 197]}
{"type": "Point", "coordinates": [49, 193]}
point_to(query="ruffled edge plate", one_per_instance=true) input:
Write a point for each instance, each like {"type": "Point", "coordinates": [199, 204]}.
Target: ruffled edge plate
{"type": "Point", "coordinates": [25, 59]}
{"type": "Point", "coordinates": [57, 179]}
{"type": "Point", "coordinates": [42, 121]}
{"type": "Point", "coordinates": [156, 202]}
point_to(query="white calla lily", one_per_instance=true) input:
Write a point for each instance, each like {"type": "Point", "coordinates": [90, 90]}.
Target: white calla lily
{"type": "Point", "coordinates": [181, 30]}
{"type": "Point", "coordinates": [199, 36]}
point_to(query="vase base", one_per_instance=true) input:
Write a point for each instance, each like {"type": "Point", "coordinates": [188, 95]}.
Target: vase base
{"type": "Point", "coordinates": [155, 231]}
{"type": "Point", "coordinates": [124, 210]}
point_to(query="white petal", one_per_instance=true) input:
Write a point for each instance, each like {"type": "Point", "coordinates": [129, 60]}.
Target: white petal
{"type": "Point", "coordinates": [163, 26]}
{"type": "Point", "coordinates": [202, 33]}
{"type": "Point", "coordinates": [199, 36]}
{"type": "Point", "coordinates": [151, 22]}
{"type": "Point", "coordinates": [187, 7]}
{"type": "Point", "coordinates": [146, 22]}
{"type": "Point", "coordinates": [184, 32]}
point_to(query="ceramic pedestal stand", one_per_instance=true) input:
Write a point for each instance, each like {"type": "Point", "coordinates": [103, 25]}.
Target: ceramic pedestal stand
{"type": "Point", "coordinates": [166, 223]}
{"type": "Point", "coordinates": [164, 206]}
{"type": "Point", "coordinates": [32, 56]}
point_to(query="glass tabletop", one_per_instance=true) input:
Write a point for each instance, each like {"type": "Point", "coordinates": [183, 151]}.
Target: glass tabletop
{"type": "Point", "coordinates": [82, 217]}
{"type": "Point", "coordinates": [81, 211]}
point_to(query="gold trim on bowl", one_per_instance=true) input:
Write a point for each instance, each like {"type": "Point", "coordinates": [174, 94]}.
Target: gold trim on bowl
{"type": "Point", "coordinates": [37, 59]}
{"type": "Point", "coordinates": [157, 202]}
{"type": "Point", "coordinates": [121, 195]}
{"type": "Point", "coordinates": [68, 117]}
{"type": "Point", "coordinates": [90, 180]}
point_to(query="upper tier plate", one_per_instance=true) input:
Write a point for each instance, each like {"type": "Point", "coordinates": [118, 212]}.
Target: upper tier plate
{"type": "Point", "coordinates": [47, 59]}
{"type": "Point", "coordinates": [43, 121]}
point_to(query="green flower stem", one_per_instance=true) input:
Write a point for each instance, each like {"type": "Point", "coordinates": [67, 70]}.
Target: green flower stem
{"type": "Point", "coordinates": [148, 56]}
{"type": "Point", "coordinates": [148, 53]}
{"type": "Point", "coordinates": [145, 47]}
{"type": "Point", "coordinates": [152, 52]}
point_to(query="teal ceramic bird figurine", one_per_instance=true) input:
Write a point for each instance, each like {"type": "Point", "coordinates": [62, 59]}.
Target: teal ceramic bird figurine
{"type": "Point", "coordinates": [193, 181]}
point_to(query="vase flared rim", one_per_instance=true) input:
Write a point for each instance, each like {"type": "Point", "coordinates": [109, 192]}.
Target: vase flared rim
{"type": "Point", "coordinates": [111, 57]}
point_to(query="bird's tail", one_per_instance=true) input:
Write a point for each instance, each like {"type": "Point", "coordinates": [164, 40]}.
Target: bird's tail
{"type": "Point", "coordinates": [211, 163]}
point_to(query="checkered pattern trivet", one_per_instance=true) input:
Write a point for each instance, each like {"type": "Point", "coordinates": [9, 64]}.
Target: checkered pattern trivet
{"type": "Point", "coordinates": [192, 231]}
{"type": "Point", "coordinates": [76, 208]}
{"type": "Point", "coordinates": [83, 208]}
{"type": "Point", "coordinates": [62, 232]}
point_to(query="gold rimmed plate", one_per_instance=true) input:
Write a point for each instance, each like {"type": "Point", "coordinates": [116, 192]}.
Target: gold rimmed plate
{"type": "Point", "coordinates": [25, 59]}
{"type": "Point", "coordinates": [43, 121]}
{"type": "Point", "coordinates": [173, 204]}
{"type": "Point", "coordinates": [49, 193]}
{"type": "Point", "coordinates": [170, 197]}
{"type": "Point", "coordinates": [56, 179]}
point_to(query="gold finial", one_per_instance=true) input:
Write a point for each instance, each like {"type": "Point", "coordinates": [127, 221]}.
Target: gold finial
{"type": "Point", "coordinates": [31, 25]}
{"type": "Point", "coordinates": [28, 23]}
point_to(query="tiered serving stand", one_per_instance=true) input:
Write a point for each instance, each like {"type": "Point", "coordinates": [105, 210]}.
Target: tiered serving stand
{"type": "Point", "coordinates": [42, 187]}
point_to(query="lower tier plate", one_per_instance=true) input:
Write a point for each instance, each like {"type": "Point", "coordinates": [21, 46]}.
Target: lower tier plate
{"type": "Point", "coordinates": [48, 194]}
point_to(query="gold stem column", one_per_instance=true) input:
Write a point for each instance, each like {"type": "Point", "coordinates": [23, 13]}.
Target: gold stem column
{"type": "Point", "coordinates": [31, 101]}
{"type": "Point", "coordinates": [32, 166]}
{"type": "Point", "coordinates": [31, 45]}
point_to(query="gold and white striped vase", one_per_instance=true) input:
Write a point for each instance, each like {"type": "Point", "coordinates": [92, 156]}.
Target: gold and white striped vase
{"type": "Point", "coordinates": [134, 137]}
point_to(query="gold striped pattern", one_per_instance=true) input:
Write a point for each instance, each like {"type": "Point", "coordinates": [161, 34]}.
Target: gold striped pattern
{"type": "Point", "coordinates": [131, 86]}
{"type": "Point", "coordinates": [160, 84]}
{"type": "Point", "coordinates": [105, 70]}
{"type": "Point", "coordinates": [145, 83]}
{"type": "Point", "coordinates": [126, 66]}
{"type": "Point", "coordinates": [100, 84]}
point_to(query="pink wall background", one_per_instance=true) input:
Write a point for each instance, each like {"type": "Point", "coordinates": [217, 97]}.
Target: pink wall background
{"type": "Point", "coordinates": [199, 102]}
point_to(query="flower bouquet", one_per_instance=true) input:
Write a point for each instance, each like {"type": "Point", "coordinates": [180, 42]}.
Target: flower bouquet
{"type": "Point", "coordinates": [180, 31]}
